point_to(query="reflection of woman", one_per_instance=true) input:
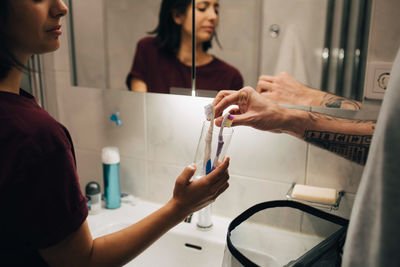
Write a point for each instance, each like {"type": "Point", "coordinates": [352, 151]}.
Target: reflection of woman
{"type": "Point", "coordinates": [164, 61]}
{"type": "Point", "coordinates": [43, 212]}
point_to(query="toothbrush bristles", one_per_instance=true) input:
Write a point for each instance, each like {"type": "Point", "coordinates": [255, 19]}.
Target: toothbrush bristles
{"type": "Point", "coordinates": [228, 119]}
{"type": "Point", "coordinates": [209, 111]}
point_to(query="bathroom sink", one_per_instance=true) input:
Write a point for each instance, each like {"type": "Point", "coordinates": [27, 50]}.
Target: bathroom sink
{"type": "Point", "coordinates": [187, 245]}
{"type": "Point", "coordinates": [184, 245]}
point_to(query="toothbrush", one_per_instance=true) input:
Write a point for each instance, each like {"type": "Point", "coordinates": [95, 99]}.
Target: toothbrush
{"type": "Point", "coordinates": [226, 122]}
{"type": "Point", "coordinates": [209, 111]}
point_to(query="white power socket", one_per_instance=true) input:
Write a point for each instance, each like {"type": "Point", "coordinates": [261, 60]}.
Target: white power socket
{"type": "Point", "coordinates": [377, 79]}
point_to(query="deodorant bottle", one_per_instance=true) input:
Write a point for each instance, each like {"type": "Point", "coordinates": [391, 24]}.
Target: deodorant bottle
{"type": "Point", "coordinates": [112, 189]}
{"type": "Point", "coordinates": [94, 195]}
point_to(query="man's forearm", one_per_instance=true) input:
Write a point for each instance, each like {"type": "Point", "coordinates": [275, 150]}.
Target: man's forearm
{"type": "Point", "coordinates": [348, 138]}
{"type": "Point", "coordinates": [334, 101]}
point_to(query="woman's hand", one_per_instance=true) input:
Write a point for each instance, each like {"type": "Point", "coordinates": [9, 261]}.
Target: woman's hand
{"type": "Point", "coordinates": [285, 89]}
{"type": "Point", "coordinates": [190, 196]}
{"type": "Point", "coordinates": [252, 110]}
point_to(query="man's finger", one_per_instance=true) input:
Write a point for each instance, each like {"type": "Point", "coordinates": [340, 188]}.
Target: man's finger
{"type": "Point", "coordinates": [266, 78]}
{"type": "Point", "coordinates": [263, 86]}
{"type": "Point", "coordinates": [221, 95]}
{"type": "Point", "coordinates": [226, 101]}
{"type": "Point", "coordinates": [239, 98]}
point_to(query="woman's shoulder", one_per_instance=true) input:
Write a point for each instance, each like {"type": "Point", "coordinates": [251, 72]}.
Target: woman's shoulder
{"type": "Point", "coordinates": [148, 42]}
{"type": "Point", "coordinates": [40, 130]}
{"type": "Point", "coordinates": [225, 66]}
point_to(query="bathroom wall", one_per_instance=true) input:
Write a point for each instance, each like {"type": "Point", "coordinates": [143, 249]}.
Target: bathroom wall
{"type": "Point", "coordinates": [158, 139]}
{"type": "Point", "coordinates": [298, 48]}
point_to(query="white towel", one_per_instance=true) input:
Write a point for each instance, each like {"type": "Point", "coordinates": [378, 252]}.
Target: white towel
{"type": "Point", "coordinates": [291, 56]}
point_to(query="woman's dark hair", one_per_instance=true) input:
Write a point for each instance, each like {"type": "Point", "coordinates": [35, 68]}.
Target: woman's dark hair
{"type": "Point", "coordinates": [168, 33]}
{"type": "Point", "coordinates": [7, 59]}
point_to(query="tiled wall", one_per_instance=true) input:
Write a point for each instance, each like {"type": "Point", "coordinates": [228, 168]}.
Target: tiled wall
{"type": "Point", "coordinates": [158, 139]}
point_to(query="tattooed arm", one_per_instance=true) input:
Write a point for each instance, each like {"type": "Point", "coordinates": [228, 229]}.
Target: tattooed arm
{"type": "Point", "coordinates": [348, 138]}
{"type": "Point", "coordinates": [285, 89]}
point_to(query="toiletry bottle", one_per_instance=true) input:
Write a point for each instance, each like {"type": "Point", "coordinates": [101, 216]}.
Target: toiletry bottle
{"type": "Point", "coordinates": [112, 190]}
{"type": "Point", "coordinates": [94, 195]}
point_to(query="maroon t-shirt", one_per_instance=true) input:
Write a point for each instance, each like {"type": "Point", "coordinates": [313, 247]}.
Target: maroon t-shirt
{"type": "Point", "coordinates": [40, 198]}
{"type": "Point", "coordinates": [161, 71]}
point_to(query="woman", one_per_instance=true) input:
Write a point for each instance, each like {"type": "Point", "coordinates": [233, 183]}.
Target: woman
{"type": "Point", "coordinates": [43, 212]}
{"type": "Point", "coordinates": [164, 61]}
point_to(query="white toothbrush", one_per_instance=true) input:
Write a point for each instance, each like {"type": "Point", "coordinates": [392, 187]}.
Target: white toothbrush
{"type": "Point", "coordinates": [210, 114]}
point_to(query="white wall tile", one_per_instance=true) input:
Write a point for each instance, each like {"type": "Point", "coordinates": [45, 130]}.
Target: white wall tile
{"type": "Point", "coordinates": [130, 137]}
{"type": "Point", "coordinates": [244, 192]}
{"type": "Point", "coordinates": [89, 168]}
{"type": "Point", "coordinates": [264, 155]}
{"type": "Point", "coordinates": [83, 114]}
{"type": "Point", "coordinates": [162, 179]}
{"type": "Point", "coordinates": [133, 177]}
{"type": "Point", "coordinates": [132, 173]}
{"type": "Point", "coordinates": [173, 127]}
{"type": "Point", "coordinates": [327, 169]}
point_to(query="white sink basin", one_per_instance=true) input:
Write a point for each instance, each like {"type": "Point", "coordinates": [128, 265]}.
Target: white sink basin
{"type": "Point", "coordinates": [186, 245]}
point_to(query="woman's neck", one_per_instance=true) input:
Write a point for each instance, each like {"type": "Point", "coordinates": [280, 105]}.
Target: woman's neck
{"type": "Point", "coordinates": [12, 82]}
{"type": "Point", "coordinates": [185, 53]}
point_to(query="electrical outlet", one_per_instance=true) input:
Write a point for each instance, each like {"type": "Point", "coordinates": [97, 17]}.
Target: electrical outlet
{"type": "Point", "coordinates": [378, 75]}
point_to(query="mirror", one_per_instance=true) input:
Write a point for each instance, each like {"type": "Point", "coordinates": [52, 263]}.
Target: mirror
{"type": "Point", "coordinates": [322, 43]}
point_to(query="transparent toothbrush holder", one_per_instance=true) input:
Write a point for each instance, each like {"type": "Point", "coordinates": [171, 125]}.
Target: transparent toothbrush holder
{"type": "Point", "coordinates": [204, 215]}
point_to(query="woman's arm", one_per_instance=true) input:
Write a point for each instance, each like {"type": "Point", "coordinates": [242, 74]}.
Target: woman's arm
{"type": "Point", "coordinates": [119, 248]}
{"type": "Point", "coordinates": [138, 85]}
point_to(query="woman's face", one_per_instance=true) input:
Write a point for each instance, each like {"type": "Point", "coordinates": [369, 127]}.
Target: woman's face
{"type": "Point", "coordinates": [206, 20]}
{"type": "Point", "coordinates": [34, 26]}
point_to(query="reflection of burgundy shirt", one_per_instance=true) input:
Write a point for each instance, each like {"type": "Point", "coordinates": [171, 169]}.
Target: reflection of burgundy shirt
{"type": "Point", "coordinates": [161, 71]}
{"type": "Point", "coordinates": [40, 198]}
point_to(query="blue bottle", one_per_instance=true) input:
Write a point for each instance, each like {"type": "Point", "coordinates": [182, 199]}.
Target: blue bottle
{"type": "Point", "coordinates": [112, 188]}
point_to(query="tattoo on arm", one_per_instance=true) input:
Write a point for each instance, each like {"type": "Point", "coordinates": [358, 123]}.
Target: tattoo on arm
{"type": "Point", "coordinates": [353, 147]}
{"type": "Point", "coordinates": [333, 101]}
{"type": "Point", "coordinates": [314, 116]}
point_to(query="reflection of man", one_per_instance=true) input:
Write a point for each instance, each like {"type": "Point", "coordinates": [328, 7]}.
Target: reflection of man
{"type": "Point", "coordinates": [285, 89]}
{"type": "Point", "coordinates": [374, 232]}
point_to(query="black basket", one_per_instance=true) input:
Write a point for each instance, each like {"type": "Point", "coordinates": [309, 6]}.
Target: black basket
{"type": "Point", "coordinates": [327, 253]}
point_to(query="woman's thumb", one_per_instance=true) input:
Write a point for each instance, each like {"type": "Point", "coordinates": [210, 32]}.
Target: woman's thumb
{"type": "Point", "coordinates": [186, 174]}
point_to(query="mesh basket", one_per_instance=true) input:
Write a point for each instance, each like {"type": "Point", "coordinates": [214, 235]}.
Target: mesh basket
{"type": "Point", "coordinates": [265, 235]}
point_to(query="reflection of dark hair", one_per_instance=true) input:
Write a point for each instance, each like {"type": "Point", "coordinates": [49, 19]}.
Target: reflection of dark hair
{"type": "Point", "coordinates": [7, 59]}
{"type": "Point", "coordinates": [168, 33]}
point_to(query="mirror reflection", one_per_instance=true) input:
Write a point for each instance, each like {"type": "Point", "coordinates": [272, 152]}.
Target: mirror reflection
{"type": "Point", "coordinates": [164, 61]}
{"type": "Point", "coordinates": [145, 45]}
